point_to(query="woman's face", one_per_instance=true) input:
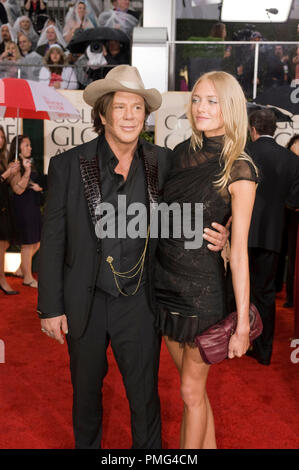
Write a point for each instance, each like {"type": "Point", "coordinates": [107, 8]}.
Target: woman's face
{"type": "Point", "coordinates": [25, 24]}
{"type": "Point", "coordinates": [206, 111]}
{"type": "Point", "coordinates": [81, 10]}
{"type": "Point", "coordinates": [12, 50]}
{"type": "Point", "coordinates": [2, 140]}
{"type": "Point", "coordinates": [25, 148]}
{"type": "Point", "coordinates": [295, 147]}
{"type": "Point", "coordinates": [55, 56]}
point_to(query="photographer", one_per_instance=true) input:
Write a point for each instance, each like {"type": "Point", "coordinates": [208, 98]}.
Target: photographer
{"type": "Point", "coordinates": [94, 63]}
{"type": "Point", "coordinates": [9, 60]}
{"type": "Point", "coordinates": [245, 61]}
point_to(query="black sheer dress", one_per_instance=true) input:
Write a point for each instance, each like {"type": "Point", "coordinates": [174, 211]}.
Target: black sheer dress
{"type": "Point", "coordinates": [190, 283]}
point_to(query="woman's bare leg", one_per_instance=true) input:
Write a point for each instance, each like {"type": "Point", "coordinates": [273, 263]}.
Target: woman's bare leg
{"type": "Point", "coordinates": [35, 248]}
{"type": "Point", "coordinates": [199, 423]}
{"type": "Point", "coordinates": [3, 282]}
{"type": "Point", "coordinates": [205, 434]}
{"type": "Point", "coordinates": [176, 352]}
{"type": "Point", "coordinates": [210, 438]}
{"type": "Point", "coordinates": [26, 264]}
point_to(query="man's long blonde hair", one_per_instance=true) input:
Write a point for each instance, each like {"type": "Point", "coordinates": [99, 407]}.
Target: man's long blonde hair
{"type": "Point", "coordinates": [233, 108]}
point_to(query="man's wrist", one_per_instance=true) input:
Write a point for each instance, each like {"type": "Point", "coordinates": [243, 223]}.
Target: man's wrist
{"type": "Point", "coordinates": [44, 316]}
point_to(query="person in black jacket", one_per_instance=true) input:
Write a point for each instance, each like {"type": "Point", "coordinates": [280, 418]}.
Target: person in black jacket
{"type": "Point", "coordinates": [83, 287]}
{"type": "Point", "coordinates": [3, 15]}
{"type": "Point", "coordinates": [279, 186]}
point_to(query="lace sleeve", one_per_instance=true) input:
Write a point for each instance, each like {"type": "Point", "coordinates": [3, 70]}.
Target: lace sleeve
{"type": "Point", "coordinates": [243, 170]}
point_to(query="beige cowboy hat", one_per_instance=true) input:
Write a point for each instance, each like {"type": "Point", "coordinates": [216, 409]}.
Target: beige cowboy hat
{"type": "Point", "coordinates": [122, 78]}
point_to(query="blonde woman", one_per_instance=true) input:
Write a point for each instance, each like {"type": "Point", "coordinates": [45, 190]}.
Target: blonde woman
{"type": "Point", "coordinates": [9, 61]}
{"type": "Point", "coordinates": [210, 168]}
{"type": "Point", "coordinates": [11, 53]}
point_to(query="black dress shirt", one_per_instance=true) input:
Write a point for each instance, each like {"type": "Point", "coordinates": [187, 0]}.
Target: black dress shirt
{"type": "Point", "coordinates": [126, 251]}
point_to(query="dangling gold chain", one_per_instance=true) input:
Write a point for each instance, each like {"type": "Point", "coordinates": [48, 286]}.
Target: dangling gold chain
{"type": "Point", "coordinates": [127, 274]}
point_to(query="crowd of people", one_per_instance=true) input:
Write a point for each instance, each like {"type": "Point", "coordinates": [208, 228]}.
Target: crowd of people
{"type": "Point", "coordinates": [26, 37]}
{"type": "Point", "coordinates": [277, 65]}
{"type": "Point", "coordinates": [20, 214]}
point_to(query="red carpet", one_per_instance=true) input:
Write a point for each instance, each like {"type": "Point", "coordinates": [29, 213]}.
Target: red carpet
{"type": "Point", "coordinates": [254, 406]}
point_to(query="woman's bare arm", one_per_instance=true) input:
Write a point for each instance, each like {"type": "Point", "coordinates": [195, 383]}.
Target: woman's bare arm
{"type": "Point", "coordinates": [243, 196]}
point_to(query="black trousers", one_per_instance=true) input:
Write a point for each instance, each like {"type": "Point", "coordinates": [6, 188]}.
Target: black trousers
{"type": "Point", "coordinates": [292, 224]}
{"type": "Point", "coordinates": [263, 265]}
{"type": "Point", "coordinates": [128, 324]}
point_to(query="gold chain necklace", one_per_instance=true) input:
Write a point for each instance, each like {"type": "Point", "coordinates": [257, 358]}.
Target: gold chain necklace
{"type": "Point", "coordinates": [127, 274]}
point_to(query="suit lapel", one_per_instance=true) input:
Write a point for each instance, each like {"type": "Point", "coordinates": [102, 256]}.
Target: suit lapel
{"type": "Point", "coordinates": [150, 159]}
{"type": "Point", "coordinates": [90, 173]}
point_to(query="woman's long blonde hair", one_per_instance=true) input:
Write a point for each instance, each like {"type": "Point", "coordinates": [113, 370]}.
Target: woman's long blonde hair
{"type": "Point", "coordinates": [233, 108]}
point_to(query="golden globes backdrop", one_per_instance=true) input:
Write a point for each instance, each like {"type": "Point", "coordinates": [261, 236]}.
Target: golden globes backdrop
{"type": "Point", "coordinates": [172, 125]}
{"type": "Point", "coordinates": [285, 130]}
{"type": "Point", "coordinates": [63, 134]}
{"type": "Point", "coordinates": [10, 128]}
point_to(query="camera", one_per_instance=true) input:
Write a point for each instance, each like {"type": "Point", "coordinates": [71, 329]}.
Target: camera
{"type": "Point", "coordinates": [244, 34]}
{"type": "Point", "coordinates": [96, 47]}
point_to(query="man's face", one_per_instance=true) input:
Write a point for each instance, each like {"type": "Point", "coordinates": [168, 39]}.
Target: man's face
{"type": "Point", "coordinates": [122, 4]}
{"type": "Point", "coordinates": [126, 118]}
{"type": "Point", "coordinates": [278, 51]}
{"type": "Point", "coordinates": [25, 24]}
{"type": "Point", "coordinates": [24, 43]}
{"type": "Point", "coordinates": [5, 33]}
{"type": "Point", "coordinates": [113, 47]}
{"type": "Point", "coordinates": [51, 35]}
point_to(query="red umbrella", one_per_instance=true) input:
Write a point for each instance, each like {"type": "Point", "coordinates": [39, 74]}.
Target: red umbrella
{"type": "Point", "coordinates": [33, 100]}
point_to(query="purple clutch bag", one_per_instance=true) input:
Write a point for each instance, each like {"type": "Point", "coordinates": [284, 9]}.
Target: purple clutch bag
{"type": "Point", "coordinates": [213, 343]}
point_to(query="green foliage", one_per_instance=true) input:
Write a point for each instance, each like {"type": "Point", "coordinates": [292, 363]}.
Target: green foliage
{"type": "Point", "coordinates": [205, 50]}
{"type": "Point", "coordinates": [148, 136]}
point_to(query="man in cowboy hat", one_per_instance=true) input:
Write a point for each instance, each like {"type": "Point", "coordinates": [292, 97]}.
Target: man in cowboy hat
{"type": "Point", "coordinates": [100, 291]}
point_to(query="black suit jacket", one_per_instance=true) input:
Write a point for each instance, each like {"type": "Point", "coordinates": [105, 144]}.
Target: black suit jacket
{"type": "Point", "coordinates": [70, 252]}
{"type": "Point", "coordinates": [278, 187]}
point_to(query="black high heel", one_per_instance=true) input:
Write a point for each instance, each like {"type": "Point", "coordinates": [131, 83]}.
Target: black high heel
{"type": "Point", "coordinates": [9, 292]}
